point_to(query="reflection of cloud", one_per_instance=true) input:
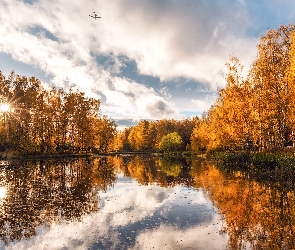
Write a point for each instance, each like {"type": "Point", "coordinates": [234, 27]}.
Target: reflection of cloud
{"type": "Point", "coordinates": [137, 216]}
{"type": "Point", "coordinates": [167, 237]}
{"type": "Point", "coordinates": [134, 198]}
{"type": "Point", "coordinates": [2, 192]}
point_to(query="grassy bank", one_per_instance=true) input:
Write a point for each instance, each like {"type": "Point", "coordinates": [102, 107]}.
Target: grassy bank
{"type": "Point", "coordinates": [258, 160]}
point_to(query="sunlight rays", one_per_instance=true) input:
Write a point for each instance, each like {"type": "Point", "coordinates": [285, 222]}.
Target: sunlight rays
{"type": "Point", "coordinates": [11, 109]}
{"type": "Point", "coordinates": [4, 107]}
{"type": "Point", "coordinates": [3, 192]}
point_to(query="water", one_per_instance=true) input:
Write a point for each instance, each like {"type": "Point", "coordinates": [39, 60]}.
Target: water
{"type": "Point", "coordinates": [142, 202]}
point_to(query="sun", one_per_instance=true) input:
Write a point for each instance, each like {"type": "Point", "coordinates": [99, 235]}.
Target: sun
{"type": "Point", "coordinates": [2, 192]}
{"type": "Point", "coordinates": [4, 107]}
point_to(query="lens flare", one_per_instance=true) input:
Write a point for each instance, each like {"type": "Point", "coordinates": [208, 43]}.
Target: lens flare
{"type": "Point", "coordinates": [2, 192]}
{"type": "Point", "coordinates": [4, 107]}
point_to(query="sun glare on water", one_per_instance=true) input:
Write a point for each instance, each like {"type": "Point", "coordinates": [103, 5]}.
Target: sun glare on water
{"type": "Point", "coordinates": [2, 192]}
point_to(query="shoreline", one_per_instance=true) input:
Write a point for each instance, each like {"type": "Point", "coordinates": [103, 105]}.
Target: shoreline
{"type": "Point", "coordinates": [8, 156]}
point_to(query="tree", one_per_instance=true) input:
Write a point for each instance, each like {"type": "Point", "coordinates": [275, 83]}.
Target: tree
{"type": "Point", "coordinates": [269, 78]}
{"type": "Point", "coordinates": [170, 142]}
{"type": "Point", "coordinates": [291, 90]}
{"type": "Point", "coordinates": [50, 121]}
{"type": "Point", "coordinates": [257, 112]}
{"type": "Point", "coordinates": [105, 133]}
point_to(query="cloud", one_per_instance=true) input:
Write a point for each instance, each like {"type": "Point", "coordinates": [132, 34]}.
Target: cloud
{"type": "Point", "coordinates": [136, 101]}
{"type": "Point", "coordinates": [179, 39]}
{"type": "Point", "coordinates": [205, 103]}
{"type": "Point", "coordinates": [166, 39]}
{"type": "Point", "coordinates": [160, 107]}
{"type": "Point", "coordinates": [62, 44]}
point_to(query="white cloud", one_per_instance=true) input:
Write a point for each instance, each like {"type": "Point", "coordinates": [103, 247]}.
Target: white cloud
{"type": "Point", "coordinates": [172, 39]}
{"type": "Point", "coordinates": [136, 101]}
{"type": "Point", "coordinates": [69, 60]}
{"type": "Point", "coordinates": [167, 39]}
{"type": "Point", "coordinates": [165, 93]}
{"type": "Point", "coordinates": [204, 104]}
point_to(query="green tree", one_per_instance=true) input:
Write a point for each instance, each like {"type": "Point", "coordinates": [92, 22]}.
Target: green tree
{"type": "Point", "coordinates": [170, 142]}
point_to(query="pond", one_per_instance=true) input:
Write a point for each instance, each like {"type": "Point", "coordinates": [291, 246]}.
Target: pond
{"type": "Point", "coordinates": [143, 202]}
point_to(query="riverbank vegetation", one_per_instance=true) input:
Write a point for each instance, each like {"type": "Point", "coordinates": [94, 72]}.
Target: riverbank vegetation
{"type": "Point", "coordinates": [258, 161]}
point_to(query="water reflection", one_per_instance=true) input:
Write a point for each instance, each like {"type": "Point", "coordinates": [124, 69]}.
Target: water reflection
{"type": "Point", "coordinates": [144, 202]}
{"type": "Point", "coordinates": [164, 172]}
{"type": "Point", "coordinates": [40, 193]}
{"type": "Point", "coordinates": [257, 206]}
{"type": "Point", "coordinates": [105, 203]}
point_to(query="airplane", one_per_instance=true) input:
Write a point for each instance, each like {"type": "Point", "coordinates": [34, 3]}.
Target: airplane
{"type": "Point", "coordinates": [95, 16]}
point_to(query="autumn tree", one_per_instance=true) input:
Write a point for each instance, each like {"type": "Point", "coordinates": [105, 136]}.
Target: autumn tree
{"type": "Point", "coordinates": [49, 120]}
{"type": "Point", "coordinates": [269, 77]}
{"type": "Point", "coordinates": [147, 135]}
{"type": "Point", "coordinates": [120, 142]}
{"type": "Point", "coordinates": [202, 134]}
{"type": "Point", "coordinates": [257, 112]}
{"type": "Point", "coordinates": [139, 137]}
{"type": "Point", "coordinates": [170, 142]}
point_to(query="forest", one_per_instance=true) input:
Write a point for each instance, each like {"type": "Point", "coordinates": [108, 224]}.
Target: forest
{"type": "Point", "coordinates": [163, 135]}
{"type": "Point", "coordinates": [43, 120]}
{"type": "Point", "coordinates": [258, 112]}
{"type": "Point", "coordinates": [252, 113]}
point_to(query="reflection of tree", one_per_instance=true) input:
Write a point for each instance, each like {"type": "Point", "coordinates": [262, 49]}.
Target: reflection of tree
{"type": "Point", "coordinates": [148, 169]}
{"type": "Point", "coordinates": [170, 168]}
{"type": "Point", "coordinates": [46, 191]}
{"type": "Point", "coordinates": [257, 211]}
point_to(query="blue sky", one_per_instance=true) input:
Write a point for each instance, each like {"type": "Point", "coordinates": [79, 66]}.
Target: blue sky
{"type": "Point", "coordinates": [144, 59]}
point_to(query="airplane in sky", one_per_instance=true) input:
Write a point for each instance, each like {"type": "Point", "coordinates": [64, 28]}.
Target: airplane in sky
{"type": "Point", "coordinates": [95, 16]}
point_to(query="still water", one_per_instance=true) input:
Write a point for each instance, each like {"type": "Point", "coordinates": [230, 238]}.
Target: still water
{"type": "Point", "coordinates": [143, 202]}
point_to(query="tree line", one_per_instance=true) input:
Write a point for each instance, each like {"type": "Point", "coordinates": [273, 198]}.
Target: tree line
{"type": "Point", "coordinates": [45, 120]}
{"type": "Point", "coordinates": [161, 135]}
{"type": "Point", "coordinates": [258, 112]}
{"type": "Point", "coordinates": [50, 120]}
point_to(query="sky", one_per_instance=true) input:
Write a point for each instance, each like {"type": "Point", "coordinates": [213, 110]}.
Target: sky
{"type": "Point", "coordinates": [144, 59]}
